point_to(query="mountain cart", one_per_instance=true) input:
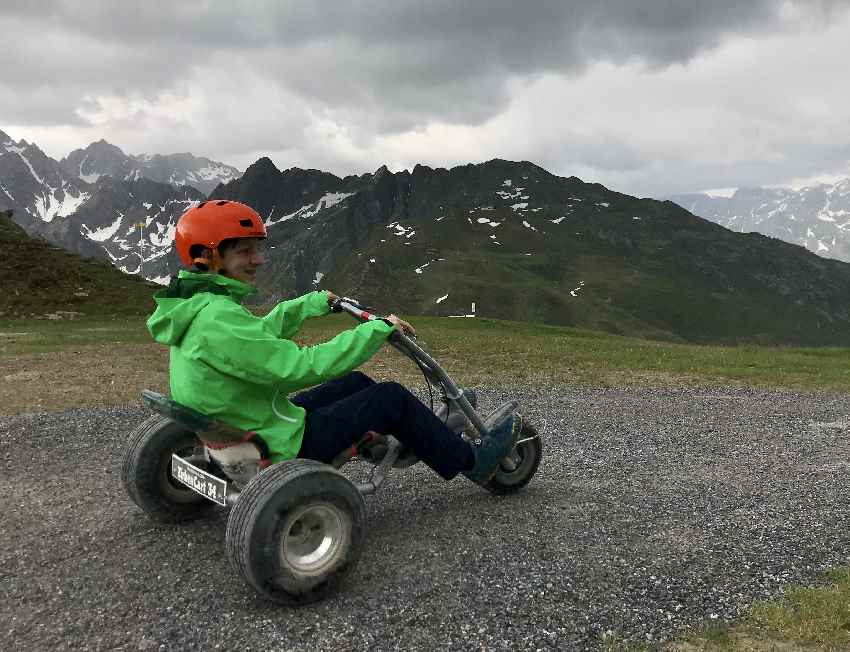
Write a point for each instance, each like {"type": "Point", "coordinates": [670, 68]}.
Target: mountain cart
{"type": "Point", "coordinates": [296, 528]}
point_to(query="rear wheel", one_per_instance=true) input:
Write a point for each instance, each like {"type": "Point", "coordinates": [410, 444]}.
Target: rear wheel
{"type": "Point", "coordinates": [146, 471]}
{"type": "Point", "coordinates": [517, 469]}
{"type": "Point", "coordinates": [297, 531]}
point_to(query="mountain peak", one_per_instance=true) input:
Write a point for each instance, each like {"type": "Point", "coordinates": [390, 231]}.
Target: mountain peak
{"type": "Point", "coordinates": [263, 164]}
{"type": "Point", "coordinates": [103, 145]}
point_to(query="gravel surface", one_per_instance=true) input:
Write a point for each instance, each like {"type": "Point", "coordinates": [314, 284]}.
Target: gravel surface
{"type": "Point", "coordinates": [652, 510]}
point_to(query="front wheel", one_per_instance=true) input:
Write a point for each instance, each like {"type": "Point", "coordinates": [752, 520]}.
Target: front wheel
{"type": "Point", "coordinates": [296, 531]}
{"type": "Point", "coordinates": [517, 469]}
{"type": "Point", "coordinates": [146, 471]}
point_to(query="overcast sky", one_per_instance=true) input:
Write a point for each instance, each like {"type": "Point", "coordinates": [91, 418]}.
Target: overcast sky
{"type": "Point", "coordinates": [648, 97]}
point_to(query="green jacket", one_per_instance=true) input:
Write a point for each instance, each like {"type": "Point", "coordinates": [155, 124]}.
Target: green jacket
{"type": "Point", "coordinates": [233, 366]}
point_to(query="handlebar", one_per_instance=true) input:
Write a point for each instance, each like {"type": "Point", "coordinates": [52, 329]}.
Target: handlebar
{"type": "Point", "coordinates": [353, 308]}
{"type": "Point", "coordinates": [362, 314]}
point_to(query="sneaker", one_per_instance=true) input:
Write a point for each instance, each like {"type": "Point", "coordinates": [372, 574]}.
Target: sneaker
{"type": "Point", "coordinates": [493, 448]}
{"type": "Point", "coordinates": [453, 416]}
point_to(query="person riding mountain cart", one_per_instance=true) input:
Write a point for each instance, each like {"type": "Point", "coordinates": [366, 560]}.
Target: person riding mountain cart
{"type": "Point", "coordinates": [230, 433]}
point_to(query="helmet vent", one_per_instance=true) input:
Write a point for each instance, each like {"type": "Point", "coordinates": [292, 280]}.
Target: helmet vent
{"type": "Point", "coordinates": [221, 203]}
{"type": "Point", "coordinates": [246, 223]}
{"type": "Point", "coordinates": [202, 204]}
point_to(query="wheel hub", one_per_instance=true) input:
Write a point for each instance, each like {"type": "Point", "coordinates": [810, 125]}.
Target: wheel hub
{"type": "Point", "coordinates": [313, 538]}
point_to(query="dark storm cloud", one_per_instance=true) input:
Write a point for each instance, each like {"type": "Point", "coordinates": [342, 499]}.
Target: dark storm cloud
{"type": "Point", "coordinates": [647, 96]}
{"type": "Point", "coordinates": [412, 61]}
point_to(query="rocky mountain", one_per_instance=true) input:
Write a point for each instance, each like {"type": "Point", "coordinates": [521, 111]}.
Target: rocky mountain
{"type": "Point", "coordinates": [129, 223]}
{"type": "Point", "coordinates": [42, 280]}
{"type": "Point", "coordinates": [100, 218]}
{"type": "Point", "coordinates": [102, 158]}
{"type": "Point", "coordinates": [816, 218]}
{"type": "Point", "coordinates": [35, 186]}
{"type": "Point", "coordinates": [524, 244]}
{"type": "Point", "coordinates": [510, 237]}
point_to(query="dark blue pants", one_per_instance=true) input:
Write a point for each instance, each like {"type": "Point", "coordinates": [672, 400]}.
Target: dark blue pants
{"type": "Point", "coordinates": [341, 411]}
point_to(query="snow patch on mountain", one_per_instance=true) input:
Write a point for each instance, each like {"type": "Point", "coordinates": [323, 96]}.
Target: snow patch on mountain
{"type": "Point", "coordinates": [104, 233]}
{"type": "Point", "coordinates": [327, 200]}
{"type": "Point", "coordinates": [49, 206]}
{"type": "Point", "coordinates": [400, 230]}
{"type": "Point", "coordinates": [575, 290]}
{"type": "Point", "coordinates": [516, 193]}
{"type": "Point", "coordinates": [19, 152]}
{"type": "Point", "coordinates": [488, 221]}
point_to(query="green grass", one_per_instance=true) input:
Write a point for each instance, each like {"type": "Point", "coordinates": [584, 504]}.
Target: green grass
{"type": "Point", "coordinates": [24, 336]}
{"type": "Point", "coordinates": [805, 618]}
{"type": "Point", "coordinates": [819, 616]}
{"type": "Point", "coordinates": [478, 349]}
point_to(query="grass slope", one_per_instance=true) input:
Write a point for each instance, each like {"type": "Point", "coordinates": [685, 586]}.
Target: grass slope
{"type": "Point", "coordinates": [559, 251]}
{"type": "Point", "coordinates": [39, 279]}
{"type": "Point", "coordinates": [119, 354]}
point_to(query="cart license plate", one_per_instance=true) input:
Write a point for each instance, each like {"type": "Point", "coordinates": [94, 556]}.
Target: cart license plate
{"type": "Point", "coordinates": [199, 481]}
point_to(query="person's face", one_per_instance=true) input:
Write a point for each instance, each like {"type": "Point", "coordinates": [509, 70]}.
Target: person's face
{"type": "Point", "coordinates": [243, 259]}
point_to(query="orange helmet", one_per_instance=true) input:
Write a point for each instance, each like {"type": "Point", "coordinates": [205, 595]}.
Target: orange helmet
{"type": "Point", "coordinates": [211, 222]}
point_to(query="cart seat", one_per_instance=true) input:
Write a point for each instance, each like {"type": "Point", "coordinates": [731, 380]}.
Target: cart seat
{"type": "Point", "coordinates": [220, 439]}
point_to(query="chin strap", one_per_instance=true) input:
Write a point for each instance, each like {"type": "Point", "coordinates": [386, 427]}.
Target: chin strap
{"type": "Point", "coordinates": [211, 265]}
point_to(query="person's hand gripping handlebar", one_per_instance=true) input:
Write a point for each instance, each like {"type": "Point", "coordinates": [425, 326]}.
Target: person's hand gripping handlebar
{"type": "Point", "coordinates": [353, 308]}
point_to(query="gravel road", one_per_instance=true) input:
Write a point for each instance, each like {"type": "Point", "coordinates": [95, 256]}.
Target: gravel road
{"type": "Point", "coordinates": [653, 510]}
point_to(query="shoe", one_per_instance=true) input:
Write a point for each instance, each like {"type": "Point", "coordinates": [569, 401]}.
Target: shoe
{"type": "Point", "coordinates": [492, 449]}
{"type": "Point", "coordinates": [453, 416]}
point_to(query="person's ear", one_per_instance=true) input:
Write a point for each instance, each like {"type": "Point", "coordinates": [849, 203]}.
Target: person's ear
{"type": "Point", "coordinates": [208, 260]}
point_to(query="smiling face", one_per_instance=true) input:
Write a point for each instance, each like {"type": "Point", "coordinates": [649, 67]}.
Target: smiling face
{"type": "Point", "coordinates": [243, 258]}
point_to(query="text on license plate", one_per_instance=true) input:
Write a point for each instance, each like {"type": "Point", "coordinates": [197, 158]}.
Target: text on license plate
{"type": "Point", "coordinates": [199, 481]}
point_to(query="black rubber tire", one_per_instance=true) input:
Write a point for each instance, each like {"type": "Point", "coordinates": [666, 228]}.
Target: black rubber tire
{"type": "Point", "coordinates": [274, 509]}
{"type": "Point", "coordinates": [529, 454]}
{"type": "Point", "coordinates": [146, 471]}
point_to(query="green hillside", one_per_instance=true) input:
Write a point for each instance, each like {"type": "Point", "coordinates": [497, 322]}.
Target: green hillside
{"type": "Point", "coordinates": [526, 245]}
{"type": "Point", "coordinates": [39, 279]}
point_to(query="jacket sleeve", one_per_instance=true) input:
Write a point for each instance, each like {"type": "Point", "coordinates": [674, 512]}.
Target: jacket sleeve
{"type": "Point", "coordinates": [286, 317]}
{"type": "Point", "coordinates": [234, 342]}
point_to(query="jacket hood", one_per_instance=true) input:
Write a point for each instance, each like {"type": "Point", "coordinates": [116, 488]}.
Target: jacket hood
{"type": "Point", "coordinates": [186, 295]}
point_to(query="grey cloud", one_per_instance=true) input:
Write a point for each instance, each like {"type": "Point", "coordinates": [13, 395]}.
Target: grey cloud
{"type": "Point", "coordinates": [412, 61]}
{"type": "Point", "coordinates": [656, 178]}
{"type": "Point", "coordinates": [377, 69]}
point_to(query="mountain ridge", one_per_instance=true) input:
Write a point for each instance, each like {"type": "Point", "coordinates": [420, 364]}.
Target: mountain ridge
{"type": "Point", "coordinates": [814, 217]}
{"type": "Point", "coordinates": [518, 241]}
{"type": "Point", "coordinates": [525, 244]}
{"type": "Point", "coordinates": [102, 158]}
